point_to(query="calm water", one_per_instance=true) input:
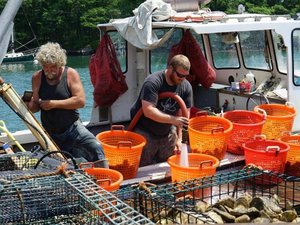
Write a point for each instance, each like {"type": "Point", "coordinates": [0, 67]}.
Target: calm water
{"type": "Point", "coordinates": [19, 75]}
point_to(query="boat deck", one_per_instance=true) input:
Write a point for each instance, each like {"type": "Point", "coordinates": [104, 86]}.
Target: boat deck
{"type": "Point", "coordinates": [160, 172]}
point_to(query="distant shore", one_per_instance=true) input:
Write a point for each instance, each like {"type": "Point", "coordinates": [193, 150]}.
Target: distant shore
{"type": "Point", "coordinates": [84, 51]}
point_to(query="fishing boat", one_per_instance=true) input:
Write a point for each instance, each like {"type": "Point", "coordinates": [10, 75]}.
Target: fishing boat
{"type": "Point", "coordinates": [231, 46]}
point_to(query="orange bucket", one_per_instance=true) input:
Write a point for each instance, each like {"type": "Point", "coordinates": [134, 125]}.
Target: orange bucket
{"type": "Point", "coordinates": [246, 125]}
{"type": "Point", "coordinates": [123, 150]}
{"type": "Point", "coordinates": [292, 166]}
{"type": "Point", "coordinates": [268, 154]}
{"type": "Point", "coordinates": [280, 118]}
{"type": "Point", "coordinates": [200, 165]}
{"type": "Point", "coordinates": [209, 135]}
{"type": "Point", "coordinates": [108, 179]}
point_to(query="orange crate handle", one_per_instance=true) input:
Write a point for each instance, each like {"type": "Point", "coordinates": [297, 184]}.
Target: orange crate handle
{"type": "Point", "coordinates": [202, 113]}
{"type": "Point", "coordinates": [262, 111]}
{"type": "Point", "coordinates": [286, 133]}
{"type": "Point", "coordinates": [86, 165]}
{"type": "Point", "coordinates": [205, 162]}
{"type": "Point", "coordinates": [117, 127]}
{"type": "Point", "coordinates": [102, 182]}
{"type": "Point", "coordinates": [276, 148]}
{"type": "Point", "coordinates": [125, 143]}
{"type": "Point", "coordinates": [216, 130]}
{"type": "Point", "coordinates": [260, 137]}
{"type": "Point", "coordinates": [290, 104]}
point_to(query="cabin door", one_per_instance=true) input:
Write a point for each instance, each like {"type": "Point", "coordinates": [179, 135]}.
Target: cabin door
{"type": "Point", "coordinates": [294, 76]}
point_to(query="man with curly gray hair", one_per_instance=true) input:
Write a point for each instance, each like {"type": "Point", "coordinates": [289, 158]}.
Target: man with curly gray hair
{"type": "Point", "coordinates": [58, 93]}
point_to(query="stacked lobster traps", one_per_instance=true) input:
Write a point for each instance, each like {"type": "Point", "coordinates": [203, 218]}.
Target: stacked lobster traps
{"type": "Point", "coordinates": [242, 196]}
{"type": "Point", "coordinates": [42, 194]}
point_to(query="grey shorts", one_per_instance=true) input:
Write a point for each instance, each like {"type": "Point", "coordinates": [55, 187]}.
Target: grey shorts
{"type": "Point", "coordinates": [157, 149]}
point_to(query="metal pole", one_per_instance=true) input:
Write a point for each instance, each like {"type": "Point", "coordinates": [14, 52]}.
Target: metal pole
{"type": "Point", "coordinates": [7, 16]}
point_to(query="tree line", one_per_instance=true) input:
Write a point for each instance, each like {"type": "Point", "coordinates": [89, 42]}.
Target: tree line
{"type": "Point", "coordinates": [72, 23]}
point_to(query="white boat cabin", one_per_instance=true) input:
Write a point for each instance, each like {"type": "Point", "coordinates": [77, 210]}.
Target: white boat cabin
{"type": "Point", "coordinates": [266, 46]}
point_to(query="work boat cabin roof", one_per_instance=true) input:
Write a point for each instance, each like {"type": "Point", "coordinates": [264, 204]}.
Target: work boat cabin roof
{"type": "Point", "coordinates": [234, 45]}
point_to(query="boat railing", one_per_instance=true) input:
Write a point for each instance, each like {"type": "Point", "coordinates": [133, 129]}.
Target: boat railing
{"type": "Point", "coordinates": [30, 51]}
{"type": "Point", "coordinates": [254, 18]}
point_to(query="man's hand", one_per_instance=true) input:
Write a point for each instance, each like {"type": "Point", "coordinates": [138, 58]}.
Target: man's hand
{"type": "Point", "coordinates": [181, 122]}
{"type": "Point", "coordinates": [178, 145]}
{"type": "Point", "coordinates": [46, 104]}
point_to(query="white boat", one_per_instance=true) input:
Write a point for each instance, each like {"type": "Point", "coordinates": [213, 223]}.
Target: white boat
{"type": "Point", "coordinates": [14, 55]}
{"type": "Point", "coordinates": [230, 43]}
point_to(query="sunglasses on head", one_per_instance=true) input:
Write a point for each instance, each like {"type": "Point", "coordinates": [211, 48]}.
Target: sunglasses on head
{"type": "Point", "coordinates": [180, 75]}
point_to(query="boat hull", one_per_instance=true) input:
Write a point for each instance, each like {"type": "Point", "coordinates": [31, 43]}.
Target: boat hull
{"type": "Point", "coordinates": [18, 58]}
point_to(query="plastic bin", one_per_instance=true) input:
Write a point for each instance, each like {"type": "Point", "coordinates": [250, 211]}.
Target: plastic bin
{"type": "Point", "coordinates": [267, 154]}
{"type": "Point", "coordinates": [209, 135]}
{"type": "Point", "coordinates": [246, 125]}
{"type": "Point", "coordinates": [292, 166]}
{"type": "Point", "coordinates": [280, 118]}
{"type": "Point", "coordinates": [123, 150]}
{"type": "Point", "coordinates": [200, 165]}
{"type": "Point", "coordinates": [108, 179]}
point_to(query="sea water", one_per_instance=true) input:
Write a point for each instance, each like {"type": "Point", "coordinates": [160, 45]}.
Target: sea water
{"type": "Point", "coordinates": [19, 76]}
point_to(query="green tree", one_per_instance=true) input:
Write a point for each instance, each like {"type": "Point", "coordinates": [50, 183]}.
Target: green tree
{"type": "Point", "coordinates": [73, 23]}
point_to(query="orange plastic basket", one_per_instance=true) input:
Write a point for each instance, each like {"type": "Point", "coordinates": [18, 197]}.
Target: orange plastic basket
{"type": "Point", "coordinates": [209, 135]}
{"type": "Point", "coordinates": [200, 165]}
{"type": "Point", "coordinates": [267, 154]}
{"type": "Point", "coordinates": [246, 125]}
{"type": "Point", "coordinates": [292, 166]}
{"type": "Point", "coordinates": [280, 118]}
{"type": "Point", "coordinates": [108, 179]}
{"type": "Point", "coordinates": [123, 150]}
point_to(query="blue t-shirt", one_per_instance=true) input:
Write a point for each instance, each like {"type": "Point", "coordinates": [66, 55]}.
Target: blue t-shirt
{"type": "Point", "coordinates": [152, 87]}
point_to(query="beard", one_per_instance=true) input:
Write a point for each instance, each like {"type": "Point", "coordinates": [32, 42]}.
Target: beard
{"type": "Point", "coordinates": [174, 79]}
{"type": "Point", "coordinates": [50, 76]}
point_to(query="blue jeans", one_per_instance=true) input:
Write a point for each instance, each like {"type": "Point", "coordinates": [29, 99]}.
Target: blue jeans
{"type": "Point", "coordinates": [79, 142]}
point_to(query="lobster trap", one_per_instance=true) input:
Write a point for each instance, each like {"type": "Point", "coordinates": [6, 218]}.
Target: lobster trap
{"type": "Point", "coordinates": [182, 202]}
{"type": "Point", "coordinates": [24, 164]}
{"type": "Point", "coordinates": [59, 200]}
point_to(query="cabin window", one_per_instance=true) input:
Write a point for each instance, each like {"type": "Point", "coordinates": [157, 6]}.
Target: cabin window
{"type": "Point", "coordinates": [224, 52]}
{"type": "Point", "coordinates": [296, 56]}
{"type": "Point", "coordinates": [280, 52]}
{"type": "Point", "coordinates": [199, 39]}
{"type": "Point", "coordinates": [120, 48]}
{"type": "Point", "coordinates": [255, 51]}
{"type": "Point", "coordinates": [159, 56]}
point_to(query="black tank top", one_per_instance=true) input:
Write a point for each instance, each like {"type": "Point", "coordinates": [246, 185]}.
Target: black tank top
{"type": "Point", "coordinates": [57, 120]}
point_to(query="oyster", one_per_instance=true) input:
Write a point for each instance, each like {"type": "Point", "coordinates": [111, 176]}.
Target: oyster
{"type": "Point", "coordinates": [215, 217]}
{"type": "Point", "coordinates": [201, 206]}
{"type": "Point", "coordinates": [242, 219]}
{"type": "Point", "coordinates": [225, 215]}
{"type": "Point", "coordinates": [228, 201]}
{"type": "Point", "coordinates": [288, 216]}
{"type": "Point", "coordinates": [261, 220]}
{"type": "Point", "coordinates": [244, 200]}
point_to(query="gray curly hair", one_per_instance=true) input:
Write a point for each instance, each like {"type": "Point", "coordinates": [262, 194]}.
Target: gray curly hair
{"type": "Point", "coordinates": [51, 53]}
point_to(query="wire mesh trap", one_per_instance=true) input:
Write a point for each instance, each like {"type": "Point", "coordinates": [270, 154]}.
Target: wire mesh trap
{"type": "Point", "coordinates": [183, 202]}
{"type": "Point", "coordinates": [59, 200]}
{"type": "Point", "coordinates": [26, 164]}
